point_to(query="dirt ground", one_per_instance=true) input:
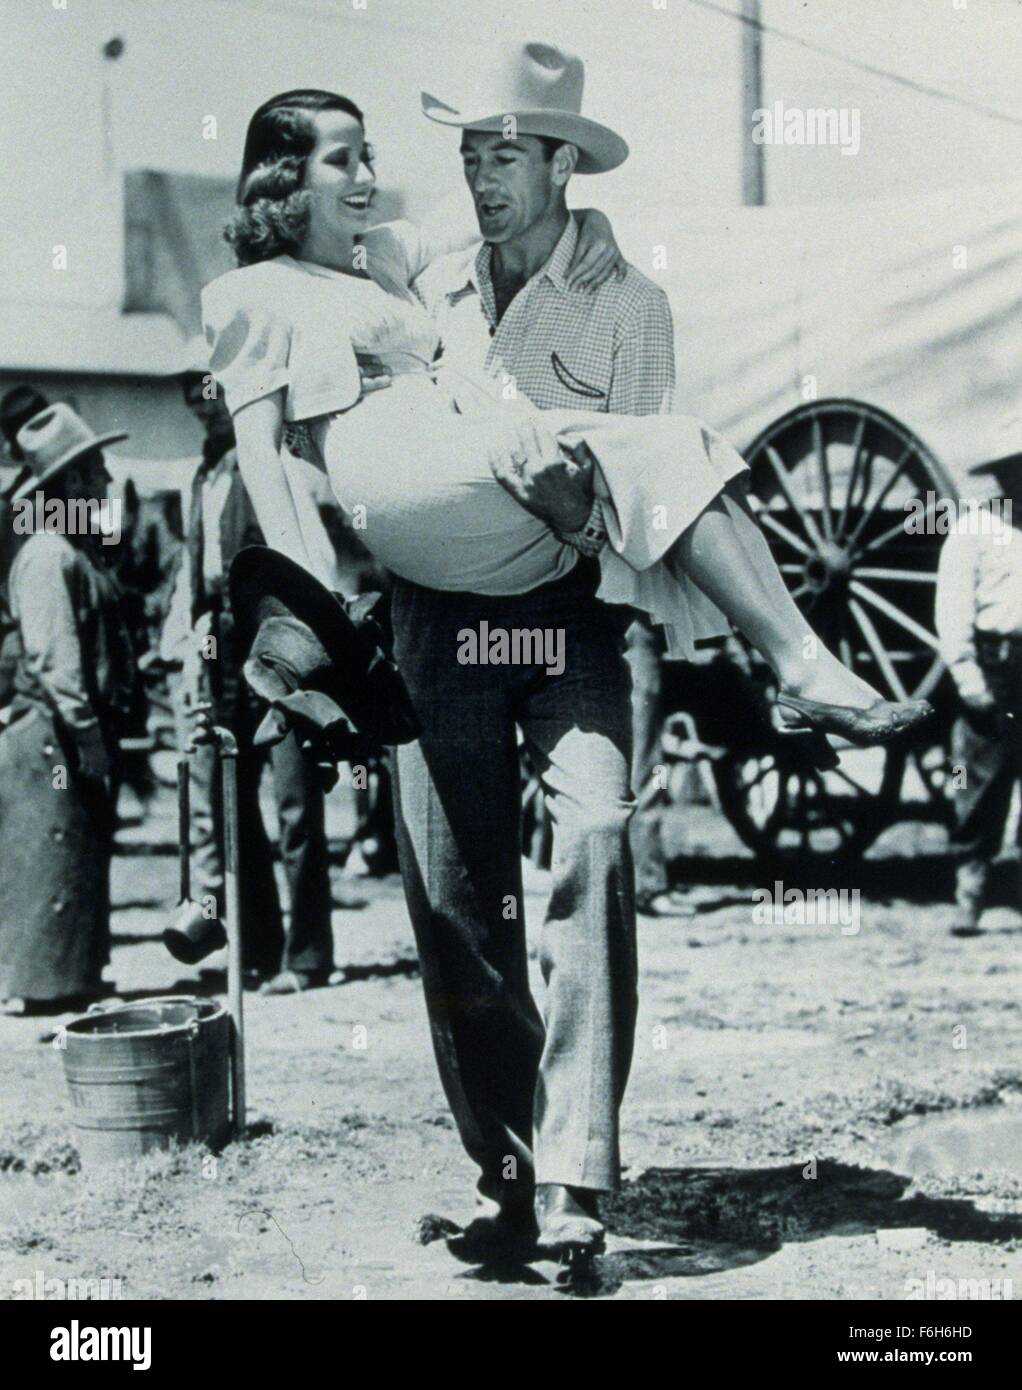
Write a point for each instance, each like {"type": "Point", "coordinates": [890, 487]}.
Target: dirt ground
{"type": "Point", "coordinates": [769, 1131]}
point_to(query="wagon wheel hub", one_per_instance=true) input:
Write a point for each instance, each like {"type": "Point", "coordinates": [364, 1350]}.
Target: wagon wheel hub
{"type": "Point", "coordinates": [830, 563]}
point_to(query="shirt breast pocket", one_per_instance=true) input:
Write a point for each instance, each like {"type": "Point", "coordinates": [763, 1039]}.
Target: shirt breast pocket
{"type": "Point", "coordinates": [577, 386]}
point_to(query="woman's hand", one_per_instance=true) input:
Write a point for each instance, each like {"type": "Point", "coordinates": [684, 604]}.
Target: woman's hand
{"type": "Point", "coordinates": [597, 256]}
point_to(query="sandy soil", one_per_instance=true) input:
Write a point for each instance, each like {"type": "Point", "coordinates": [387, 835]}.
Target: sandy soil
{"type": "Point", "coordinates": [767, 1131]}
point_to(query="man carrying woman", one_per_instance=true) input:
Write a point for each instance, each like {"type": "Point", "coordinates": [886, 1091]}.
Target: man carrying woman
{"type": "Point", "coordinates": [487, 509]}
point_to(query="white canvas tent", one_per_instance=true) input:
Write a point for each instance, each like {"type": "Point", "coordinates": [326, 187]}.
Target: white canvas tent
{"type": "Point", "coordinates": [913, 306]}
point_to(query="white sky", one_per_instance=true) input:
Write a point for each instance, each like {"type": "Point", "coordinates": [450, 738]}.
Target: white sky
{"type": "Point", "coordinates": [667, 78]}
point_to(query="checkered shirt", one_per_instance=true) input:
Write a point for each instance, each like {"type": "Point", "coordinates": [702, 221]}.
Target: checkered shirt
{"type": "Point", "coordinates": [612, 350]}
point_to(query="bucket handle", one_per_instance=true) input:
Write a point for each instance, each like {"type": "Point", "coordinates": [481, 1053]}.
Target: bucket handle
{"type": "Point", "coordinates": [192, 1036]}
{"type": "Point", "coordinates": [184, 825]}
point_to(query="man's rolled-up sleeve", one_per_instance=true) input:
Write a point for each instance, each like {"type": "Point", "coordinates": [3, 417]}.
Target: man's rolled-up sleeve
{"type": "Point", "coordinates": [955, 616]}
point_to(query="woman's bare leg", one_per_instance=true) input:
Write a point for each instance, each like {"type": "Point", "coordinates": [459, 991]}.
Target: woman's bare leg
{"type": "Point", "coordinates": [726, 554]}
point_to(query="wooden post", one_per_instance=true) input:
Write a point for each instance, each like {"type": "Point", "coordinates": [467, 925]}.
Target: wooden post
{"type": "Point", "coordinates": [228, 751]}
{"type": "Point", "coordinates": [184, 826]}
{"type": "Point", "coordinates": [753, 165]}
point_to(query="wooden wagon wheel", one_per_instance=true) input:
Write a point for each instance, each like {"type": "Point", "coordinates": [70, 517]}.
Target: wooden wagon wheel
{"type": "Point", "coordinates": [830, 482]}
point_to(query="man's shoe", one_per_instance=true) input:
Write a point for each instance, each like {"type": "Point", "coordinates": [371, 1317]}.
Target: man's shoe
{"type": "Point", "coordinates": [297, 981]}
{"type": "Point", "coordinates": [667, 904]}
{"type": "Point", "coordinates": [504, 1237]}
{"type": "Point", "coordinates": [569, 1221]}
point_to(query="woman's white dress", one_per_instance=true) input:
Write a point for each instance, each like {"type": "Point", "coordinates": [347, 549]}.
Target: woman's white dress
{"type": "Point", "coordinates": [410, 464]}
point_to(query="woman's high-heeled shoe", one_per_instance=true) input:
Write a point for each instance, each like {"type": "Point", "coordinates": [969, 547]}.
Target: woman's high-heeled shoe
{"type": "Point", "coordinates": [879, 722]}
{"type": "Point", "coordinates": [808, 746]}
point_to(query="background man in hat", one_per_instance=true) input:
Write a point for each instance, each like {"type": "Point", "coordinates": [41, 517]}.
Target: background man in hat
{"type": "Point", "coordinates": [74, 683]}
{"type": "Point", "coordinates": [220, 523]}
{"type": "Point", "coordinates": [16, 409]}
{"type": "Point", "coordinates": [536, 1101]}
{"type": "Point", "coordinates": [979, 624]}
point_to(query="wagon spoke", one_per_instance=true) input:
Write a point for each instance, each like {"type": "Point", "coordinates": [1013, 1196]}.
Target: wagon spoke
{"type": "Point", "coordinates": [844, 644]}
{"type": "Point", "coordinates": [899, 468]}
{"type": "Point", "coordinates": [882, 605]}
{"type": "Point", "coordinates": [765, 519]}
{"type": "Point", "coordinates": [892, 533]}
{"type": "Point", "coordinates": [912, 576]}
{"type": "Point", "coordinates": [931, 679]}
{"type": "Point", "coordinates": [781, 473]}
{"type": "Point", "coordinates": [877, 648]}
{"type": "Point", "coordinates": [853, 477]}
{"type": "Point", "coordinates": [763, 767]}
{"type": "Point", "coordinates": [820, 449]}
{"type": "Point", "coordinates": [840, 772]}
{"type": "Point", "coordinates": [850, 812]}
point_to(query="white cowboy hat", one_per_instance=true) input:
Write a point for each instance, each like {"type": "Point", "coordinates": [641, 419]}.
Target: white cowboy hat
{"type": "Point", "coordinates": [541, 87]}
{"type": "Point", "coordinates": [53, 440]}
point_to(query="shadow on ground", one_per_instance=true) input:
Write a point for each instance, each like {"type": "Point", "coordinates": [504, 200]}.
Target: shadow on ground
{"type": "Point", "coordinates": [769, 1206]}
{"type": "Point", "coordinates": [699, 1221]}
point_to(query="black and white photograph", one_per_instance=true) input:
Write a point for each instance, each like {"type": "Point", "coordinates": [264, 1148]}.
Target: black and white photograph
{"type": "Point", "coordinates": [511, 662]}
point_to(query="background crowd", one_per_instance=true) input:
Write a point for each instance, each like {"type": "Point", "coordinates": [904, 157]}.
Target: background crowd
{"type": "Point", "coordinates": [108, 652]}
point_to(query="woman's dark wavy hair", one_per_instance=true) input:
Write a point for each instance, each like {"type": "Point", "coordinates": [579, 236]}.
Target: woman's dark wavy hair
{"type": "Point", "coordinates": [273, 211]}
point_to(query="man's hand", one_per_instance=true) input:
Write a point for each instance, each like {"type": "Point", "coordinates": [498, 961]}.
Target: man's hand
{"type": "Point", "coordinates": [980, 701]}
{"type": "Point", "coordinates": [372, 372]}
{"type": "Point", "coordinates": [545, 478]}
{"type": "Point", "coordinates": [973, 688]}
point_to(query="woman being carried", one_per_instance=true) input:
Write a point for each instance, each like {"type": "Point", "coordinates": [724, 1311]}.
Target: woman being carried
{"type": "Point", "coordinates": [321, 314]}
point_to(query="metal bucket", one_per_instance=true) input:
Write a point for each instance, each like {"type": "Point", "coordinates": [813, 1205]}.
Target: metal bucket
{"type": "Point", "coordinates": [144, 1075]}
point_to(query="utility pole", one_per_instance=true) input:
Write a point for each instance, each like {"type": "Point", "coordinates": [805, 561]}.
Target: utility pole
{"type": "Point", "coordinates": [753, 158]}
{"type": "Point", "coordinates": [112, 51]}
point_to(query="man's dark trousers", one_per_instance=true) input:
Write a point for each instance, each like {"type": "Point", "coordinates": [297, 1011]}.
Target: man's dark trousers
{"type": "Point", "coordinates": [298, 797]}
{"type": "Point", "coordinates": [297, 791]}
{"type": "Point", "coordinates": [534, 1099]}
{"type": "Point", "coordinates": [989, 748]}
